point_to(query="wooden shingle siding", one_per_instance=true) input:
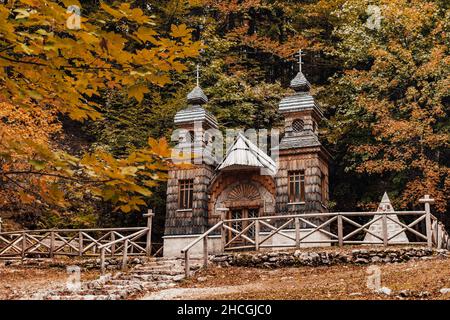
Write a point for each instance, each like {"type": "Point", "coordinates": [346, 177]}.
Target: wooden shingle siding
{"type": "Point", "coordinates": [313, 165]}
{"type": "Point", "coordinates": [189, 221]}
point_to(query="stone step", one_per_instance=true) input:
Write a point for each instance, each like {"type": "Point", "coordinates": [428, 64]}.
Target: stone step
{"type": "Point", "coordinates": [83, 297]}
{"type": "Point", "coordinates": [158, 272]}
{"type": "Point", "coordinates": [159, 266]}
{"type": "Point", "coordinates": [119, 288]}
{"type": "Point", "coordinates": [143, 283]}
{"type": "Point", "coordinates": [155, 277]}
{"type": "Point", "coordinates": [165, 285]}
{"type": "Point", "coordinates": [154, 274]}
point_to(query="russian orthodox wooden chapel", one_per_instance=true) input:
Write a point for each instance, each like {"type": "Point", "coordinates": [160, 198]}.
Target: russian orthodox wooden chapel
{"type": "Point", "coordinates": [247, 182]}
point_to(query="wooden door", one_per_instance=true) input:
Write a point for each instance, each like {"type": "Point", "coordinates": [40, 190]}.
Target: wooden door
{"type": "Point", "coordinates": [242, 213]}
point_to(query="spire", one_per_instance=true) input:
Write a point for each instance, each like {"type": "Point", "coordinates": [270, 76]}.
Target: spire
{"type": "Point", "coordinates": [197, 96]}
{"type": "Point", "coordinates": [385, 198]}
{"type": "Point", "coordinates": [300, 83]}
{"type": "Point", "coordinates": [385, 204]}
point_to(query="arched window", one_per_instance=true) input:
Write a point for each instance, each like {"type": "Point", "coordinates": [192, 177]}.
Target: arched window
{"type": "Point", "coordinates": [297, 125]}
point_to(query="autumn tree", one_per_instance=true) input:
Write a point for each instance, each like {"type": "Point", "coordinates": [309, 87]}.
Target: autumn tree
{"type": "Point", "coordinates": [56, 61]}
{"type": "Point", "coordinates": [389, 109]}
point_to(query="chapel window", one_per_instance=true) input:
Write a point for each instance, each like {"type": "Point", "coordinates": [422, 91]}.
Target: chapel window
{"type": "Point", "coordinates": [185, 194]}
{"type": "Point", "coordinates": [297, 125]}
{"type": "Point", "coordinates": [296, 190]}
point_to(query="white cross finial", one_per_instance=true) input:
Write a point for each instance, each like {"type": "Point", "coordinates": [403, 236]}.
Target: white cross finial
{"type": "Point", "coordinates": [300, 60]}
{"type": "Point", "coordinates": [426, 199]}
{"type": "Point", "coordinates": [149, 213]}
{"type": "Point", "coordinates": [198, 75]}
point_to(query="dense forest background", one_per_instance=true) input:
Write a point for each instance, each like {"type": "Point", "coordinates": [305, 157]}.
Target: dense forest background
{"type": "Point", "coordinates": [385, 92]}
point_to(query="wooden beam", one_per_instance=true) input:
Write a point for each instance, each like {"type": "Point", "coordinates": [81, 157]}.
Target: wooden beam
{"type": "Point", "coordinates": [297, 232]}
{"type": "Point", "coordinates": [102, 260]}
{"type": "Point", "coordinates": [205, 251]}
{"type": "Point", "coordinates": [148, 246]}
{"type": "Point", "coordinates": [257, 230]}
{"type": "Point", "coordinates": [125, 256]}
{"type": "Point", "coordinates": [427, 201]}
{"type": "Point", "coordinates": [385, 230]}
{"type": "Point", "coordinates": [340, 230]}
{"type": "Point", "coordinates": [187, 268]}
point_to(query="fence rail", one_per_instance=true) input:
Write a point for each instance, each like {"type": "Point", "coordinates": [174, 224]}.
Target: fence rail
{"type": "Point", "coordinates": [103, 242]}
{"type": "Point", "coordinates": [331, 228]}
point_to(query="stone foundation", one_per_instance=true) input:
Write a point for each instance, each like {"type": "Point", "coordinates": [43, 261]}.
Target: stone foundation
{"type": "Point", "coordinates": [272, 259]}
{"type": "Point", "coordinates": [174, 244]}
{"type": "Point", "coordinates": [317, 239]}
{"type": "Point", "coordinates": [84, 264]}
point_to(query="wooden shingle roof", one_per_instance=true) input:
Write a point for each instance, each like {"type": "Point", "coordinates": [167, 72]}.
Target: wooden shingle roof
{"type": "Point", "coordinates": [300, 141]}
{"type": "Point", "coordinates": [300, 82]}
{"type": "Point", "coordinates": [243, 153]}
{"type": "Point", "coordinates": [299, 102]}
{"type": "Point", "coordinates": [197, 96]}
{"type": "Point", "coordinates": [195, 113]}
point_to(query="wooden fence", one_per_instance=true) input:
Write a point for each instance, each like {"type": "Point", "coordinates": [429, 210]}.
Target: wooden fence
{"type": "Point", "coordinates": [337, 228]}
{"type": "Point", "coordinates": [103, 242]}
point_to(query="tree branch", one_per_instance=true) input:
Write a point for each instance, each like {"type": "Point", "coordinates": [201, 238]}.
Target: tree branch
{"type": "Point", "coordinates": [7, 48]}
{"type": "Point", "coordinates": [55, 175]}
{"type": "Point", "coordinates": [64, 67]}
{"type": "Point", "coordinates": [37, 195]}
{"type": "Point", "coordinates": [26, 62]}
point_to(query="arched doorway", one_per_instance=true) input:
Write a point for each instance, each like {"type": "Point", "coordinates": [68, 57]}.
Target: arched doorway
{"type": "Point", "coordinates": [243, 201]}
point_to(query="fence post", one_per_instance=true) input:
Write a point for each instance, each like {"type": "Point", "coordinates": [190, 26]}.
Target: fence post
{"type": "Point", "coordinates": [24, 245]}
{"type": "Point", "coordinates": [385, 229]}
{"type": "Point", "coordinates": [223, 234]}
{"type": "Point", "coordinates": [186, 263]}
{"type": "Point", "coordinates": [80, 243]}
{"type": "Point", "coordinates": [297, 232]}
{"type": "Point", "coordinates": [427, 201]}
{"type": "Point", "coordinates": [257, 229]}
{"type": "Point", "coordinates": [113, 246]}
{"type": "Point", "coordinates": [52, 243]}
{"type": "Point", "coordinates": [125, 255]}
{"type": "Point", "coordinates": [340, 230]}
{"type": "Point", "coordinates": [102, 260]}
{"type": "Point", "coordinates": [205, 251]}
{"type": "Point", "coordinates": [439, 235]}
{"type": "Point", "coordinates": [148, 247]}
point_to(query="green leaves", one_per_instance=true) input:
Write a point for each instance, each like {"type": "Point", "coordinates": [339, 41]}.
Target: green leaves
{"type": "Point", "coordinates": [37, 165]}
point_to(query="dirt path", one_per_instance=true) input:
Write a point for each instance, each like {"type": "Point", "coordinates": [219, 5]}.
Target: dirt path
{"type": "Point", "coordinates": [194, 293]}
{"type": "Point", "coordinates": [413, 280]}
{"type": "Point", "coordinates": [24, 282]}
{"type": "Point", "coordinates": [422, 279]}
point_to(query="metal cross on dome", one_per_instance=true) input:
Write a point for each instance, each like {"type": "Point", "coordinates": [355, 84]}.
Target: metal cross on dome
{"type": "Point", "coordinates": [198, 75]}
{"type": "Point", "coordinates": [300, 53]}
